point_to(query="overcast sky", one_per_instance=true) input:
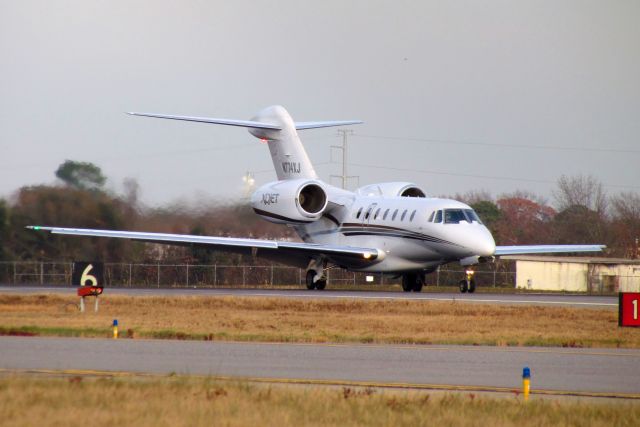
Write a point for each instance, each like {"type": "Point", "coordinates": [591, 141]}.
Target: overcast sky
{"type": "Point", "coordinates": [455, 95]}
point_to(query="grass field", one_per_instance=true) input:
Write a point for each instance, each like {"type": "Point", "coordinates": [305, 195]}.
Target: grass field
{"type": "Point", "coordinates": [293, 320]}
{"type": "Point", "coordinates": [170, 401]}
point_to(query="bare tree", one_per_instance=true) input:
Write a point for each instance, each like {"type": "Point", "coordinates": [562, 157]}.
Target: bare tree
{"type": "Point", "coordinates": [626, 223]}
{"type": "Point", "coordinates": [581, 190]}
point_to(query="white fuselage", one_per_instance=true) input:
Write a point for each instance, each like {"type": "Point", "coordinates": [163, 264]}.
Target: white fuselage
{"type": "Point", "coordinates": [403, 228]}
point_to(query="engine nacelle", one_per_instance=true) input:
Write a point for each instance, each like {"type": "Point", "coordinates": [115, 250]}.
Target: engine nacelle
{"type": "Point", "coordinates": [392, 189]}
{"type": "Point", "coordinates": [291, 201]}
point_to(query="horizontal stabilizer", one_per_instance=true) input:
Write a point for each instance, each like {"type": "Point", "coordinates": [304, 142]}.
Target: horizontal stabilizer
{"type": "Point", "coordinates": [546, 249]}
{"type": "Point", "coordinates": [228, 122]}
{"type": "Point", "coordinates": [315, 125]}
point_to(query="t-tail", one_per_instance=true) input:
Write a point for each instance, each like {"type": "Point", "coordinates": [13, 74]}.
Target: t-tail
{"type": "Point", "coordinates": [275, 126]}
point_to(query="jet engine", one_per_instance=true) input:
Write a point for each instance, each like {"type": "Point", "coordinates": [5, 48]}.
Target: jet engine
{"type": "Point", "coordinates": [392, 189]}
{"type": "Point", "coordinates": [291, 201]}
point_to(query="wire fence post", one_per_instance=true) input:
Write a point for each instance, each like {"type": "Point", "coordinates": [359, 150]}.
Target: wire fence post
{"type": "Point", "coordinates": [244, 269]}
{"type": "Point", "coordinates": [15, 273]}
{"type": "Point", "coordinates": [299, 276]}
{"type": "Point", "coordinates": [271, 275]}
{"type": "Point", "coordinates": [495, 269]}
{"type": "Point", "coordinates": [130, 273]}
{"type": "Point", "coordinates": [158, 282]}
{"type": "Point", "coordinates": [438, 276]}
{"type": "Point", "coordinates": [42, 273]}
{"type": "Point", "coordinates": [187, 274]}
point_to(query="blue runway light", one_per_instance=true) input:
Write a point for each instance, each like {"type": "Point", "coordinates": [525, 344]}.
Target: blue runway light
{"type": "Point", "coordinates": [115, 322]}
{"type": "Point", "coordinates": [526, 372]}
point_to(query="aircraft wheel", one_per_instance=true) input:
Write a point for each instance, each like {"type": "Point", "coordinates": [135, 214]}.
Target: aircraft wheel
{"type": "Point", "coordinates": [310, 275]}
{"type": "Point", "coordinates": [321, 284]}
{"type": "Point", "coordinates": [418, 283]}
{"type": "Point", "coordinates": [407, 282]}
{"type": "Point", "coordinates": [463, 286]}
{"type": "Point", "coordinates": [472, 286]}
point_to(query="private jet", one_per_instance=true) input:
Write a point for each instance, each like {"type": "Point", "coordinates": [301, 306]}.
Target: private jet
{"type": "Point", "coordinates": [390, 228]}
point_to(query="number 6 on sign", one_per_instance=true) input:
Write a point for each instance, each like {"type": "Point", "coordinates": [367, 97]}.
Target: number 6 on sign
{"type": "Point", "coordinates": [87, 274]}
{"type": "Point", "coordinates": [88, 277]}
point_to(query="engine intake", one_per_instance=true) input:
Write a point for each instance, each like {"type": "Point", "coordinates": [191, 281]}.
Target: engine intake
{"type": "Point", "coordinates": [392, 189]}
{"type": "Point", "coordinates": [312, 198]}
{"type": "Point", "coordinates": [290, 201]}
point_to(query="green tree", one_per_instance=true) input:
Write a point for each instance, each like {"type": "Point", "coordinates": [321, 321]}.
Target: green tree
{"type": "Point", "coordinates": [488, 212]}
{"type": "Point", "coordinates": [4, 230]}
{"type": "Point", "coordinates": [81, 175]}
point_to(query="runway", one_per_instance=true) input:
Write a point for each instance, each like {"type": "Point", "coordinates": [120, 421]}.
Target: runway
{"type": "Point", "coordinates": [583, 372]}
{"type": "Point", "coordinates": [585, 301]}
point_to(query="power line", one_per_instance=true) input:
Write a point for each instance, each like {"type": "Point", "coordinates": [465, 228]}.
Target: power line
{"type": "Point", "coordinates": [494, 144]}
{"type": "Point", "coordinates": [500, 178]}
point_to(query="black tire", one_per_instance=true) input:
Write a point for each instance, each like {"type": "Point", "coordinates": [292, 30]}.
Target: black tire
{"type": "Point", "coordinates": [418, 283]}
{"type": "Point", "coordinates": [321, 284]}
{"type": "Point", "coordinates": [310, 275]}
{"type": "Point", "coordinates": [472, 286]}
{"type": "Point", "coordinates": [407, 282]}
{"type": "Point", "coordinates": [463, 286]}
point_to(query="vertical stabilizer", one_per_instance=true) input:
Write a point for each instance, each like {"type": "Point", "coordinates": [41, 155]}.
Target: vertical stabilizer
{"type": "Point", "coordinates": [289, 156]}
{"type": "Point", "coordinates": [275, 126]}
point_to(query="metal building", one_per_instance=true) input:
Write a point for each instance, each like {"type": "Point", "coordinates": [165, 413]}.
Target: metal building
{"type": "Point", "coordinates": [577, 274]}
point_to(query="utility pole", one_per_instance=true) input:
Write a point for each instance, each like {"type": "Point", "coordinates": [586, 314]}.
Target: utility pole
{"type": "Point", "coordinates": [344, 177]}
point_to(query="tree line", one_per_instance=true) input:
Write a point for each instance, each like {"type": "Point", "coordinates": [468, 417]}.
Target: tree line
{"type": "Point", "coordinates": [582, 212]}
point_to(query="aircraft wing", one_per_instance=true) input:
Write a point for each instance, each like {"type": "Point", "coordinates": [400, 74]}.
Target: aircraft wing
{"type": "Point", "coordinates": [292, 253]}
{"type": "Point", "coordinates": [546, 249]}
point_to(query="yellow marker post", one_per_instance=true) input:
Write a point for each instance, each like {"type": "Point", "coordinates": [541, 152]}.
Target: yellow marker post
{"type": "Point", "coordinates": [115, 328]}
{"type": "Point", "coordinates": [526, 382]}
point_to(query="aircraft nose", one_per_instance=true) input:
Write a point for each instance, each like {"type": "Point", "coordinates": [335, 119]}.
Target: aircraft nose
{"type": "Point", "coordinates": [484, 244]}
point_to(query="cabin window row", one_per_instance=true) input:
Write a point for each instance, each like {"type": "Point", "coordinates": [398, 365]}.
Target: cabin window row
{"type": "Point", "coordinates": [384, 216]}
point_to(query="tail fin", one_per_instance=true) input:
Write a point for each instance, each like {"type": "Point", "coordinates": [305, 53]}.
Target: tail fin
{"type": "Point", "coordinates": [274, 125]}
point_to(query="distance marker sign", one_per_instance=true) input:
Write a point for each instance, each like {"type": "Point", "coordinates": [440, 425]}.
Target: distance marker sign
{"type": "Point", "coordinates": [87, 274]}
{"type": "Point", "coordinates": [629, 309]}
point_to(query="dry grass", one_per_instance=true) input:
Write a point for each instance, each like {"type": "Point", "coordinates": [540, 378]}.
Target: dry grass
{"type": "Point", "coordinates": [293, 320]}
{"type": "Point", "coordinates": [26, 401]}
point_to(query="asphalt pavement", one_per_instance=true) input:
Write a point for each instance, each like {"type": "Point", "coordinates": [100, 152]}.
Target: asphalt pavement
{"type": "Point", "coordinates": [585, 301]}
{"type": "Point", "coordinates": [598, 372]}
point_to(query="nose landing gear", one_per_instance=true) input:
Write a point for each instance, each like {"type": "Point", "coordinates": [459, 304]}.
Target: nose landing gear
{"type": "Point", "coordinates": [468, 284]}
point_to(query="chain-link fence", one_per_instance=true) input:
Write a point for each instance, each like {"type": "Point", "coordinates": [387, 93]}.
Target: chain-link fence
{"type": "Point", "coordinates": [189, 275]}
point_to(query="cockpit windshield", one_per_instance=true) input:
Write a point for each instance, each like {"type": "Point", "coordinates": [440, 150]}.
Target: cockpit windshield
{"type": "Point", "coordinates": [455, 216]}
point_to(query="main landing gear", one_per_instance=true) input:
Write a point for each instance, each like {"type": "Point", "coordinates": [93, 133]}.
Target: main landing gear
{"type": "Point", "coordinates": [468, 284]}
{"type": "Point", "coordinates": [313, 283]}
{"type": "Point", "coordinates": [412, 282]}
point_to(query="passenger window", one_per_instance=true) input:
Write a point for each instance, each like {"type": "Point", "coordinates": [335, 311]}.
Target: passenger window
{"type": "Point", "coordinates": [385, 214]}
{"type": "Point", "coordinates": [366, 216]}
{"type": "Point", "coordinates": [395, 213]}
{"type": "Point", "coordinates": [413, 215]}
{"type": "Point", "coordinates": [377, 213]}
{"type": "Point", "coordinates": [403, 215]}
{"type": "Point", "coordinates": [359, 212]}
{"type": "Point", "coordinates": [431, 216]}
{"type": "Point", "coordinates": [438, 218]}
